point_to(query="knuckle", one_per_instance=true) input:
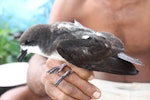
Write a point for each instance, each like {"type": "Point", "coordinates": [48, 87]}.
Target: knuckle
{"type": "Point", "coordinates": [89, 89]}
{"type": "Point", "coordinates": [62, 96]}
{"type": "Point", "coordinates": [70, 90]}
{"type": "Point", "coordinates": [44, 78]}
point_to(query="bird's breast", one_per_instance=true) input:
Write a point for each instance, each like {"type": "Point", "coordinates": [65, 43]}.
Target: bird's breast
{"type": "Point", "coordinates": [55, 55]}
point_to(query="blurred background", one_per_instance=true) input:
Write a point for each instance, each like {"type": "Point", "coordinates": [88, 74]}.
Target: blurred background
{"type": "Point", "coordinates": [15, 17]}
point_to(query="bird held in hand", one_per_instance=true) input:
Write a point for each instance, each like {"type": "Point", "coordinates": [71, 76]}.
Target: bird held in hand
{"type": "Point", "coordinates": [78, 45]}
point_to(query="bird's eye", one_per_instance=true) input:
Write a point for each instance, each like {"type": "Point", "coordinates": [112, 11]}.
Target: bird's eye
{"type": "Point", "coordinates": [27, 42]}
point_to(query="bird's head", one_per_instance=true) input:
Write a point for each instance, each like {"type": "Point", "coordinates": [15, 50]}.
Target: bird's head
{"type": "Point", "coordinates": [32, 39]}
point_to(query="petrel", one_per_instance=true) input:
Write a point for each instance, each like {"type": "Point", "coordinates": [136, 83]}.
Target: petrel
{"type": "Point", "coordinates": [81, 46]}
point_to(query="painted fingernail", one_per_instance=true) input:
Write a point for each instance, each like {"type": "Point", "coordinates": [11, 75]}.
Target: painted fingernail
{"type": "Point", "coordinates": [96, 94]}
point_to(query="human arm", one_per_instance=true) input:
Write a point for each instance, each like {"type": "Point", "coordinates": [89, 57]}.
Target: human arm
{"type": "Point", "coordinates": [36, 68]}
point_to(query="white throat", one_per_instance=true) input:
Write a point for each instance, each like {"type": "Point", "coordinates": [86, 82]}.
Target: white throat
{"type": "Point", "coordinates": [36, 49]}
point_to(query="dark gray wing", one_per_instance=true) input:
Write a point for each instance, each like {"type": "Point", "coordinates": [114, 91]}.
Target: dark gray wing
{"type": "Point", "coordinates": [84, 50]}
{"type": "Point", "coordinates": [94, 55]}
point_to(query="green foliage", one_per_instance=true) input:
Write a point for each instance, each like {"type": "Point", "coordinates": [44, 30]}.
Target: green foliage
{"type": "Point", "coordinates": [19, 17]}
{"type": "Point", "coordinates": [9, 47]}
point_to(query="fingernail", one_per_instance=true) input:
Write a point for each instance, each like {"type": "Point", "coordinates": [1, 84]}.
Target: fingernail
{"type": "Point", "coordinates": [52, 98]}
{"type": "Point", "coordinates": [91, 77]}
{"type": "Point", "coordinates": [96, 94]}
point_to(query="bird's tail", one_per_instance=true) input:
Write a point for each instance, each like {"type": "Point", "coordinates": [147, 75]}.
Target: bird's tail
{"type": "Point", "coordinates": [111, 65]}
{"type": "Point", "coordinates": [129, 58]}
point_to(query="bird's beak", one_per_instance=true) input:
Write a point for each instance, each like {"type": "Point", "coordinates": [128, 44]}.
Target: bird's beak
{"type": "Point", "coordinates": [22, 55]}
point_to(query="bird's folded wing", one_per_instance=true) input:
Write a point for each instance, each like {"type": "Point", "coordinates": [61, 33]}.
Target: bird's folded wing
{"type": "Point", "coordinates": [95, 56]}
{"type": "Point", "coordinates": [83, 50]}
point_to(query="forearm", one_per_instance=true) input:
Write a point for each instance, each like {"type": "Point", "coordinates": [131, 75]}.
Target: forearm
{"type": "Point", "coordinates": [34, 74]}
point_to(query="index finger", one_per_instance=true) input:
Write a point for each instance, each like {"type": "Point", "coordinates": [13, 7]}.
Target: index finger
{"type": "Point", "coordinates": [83, 73]}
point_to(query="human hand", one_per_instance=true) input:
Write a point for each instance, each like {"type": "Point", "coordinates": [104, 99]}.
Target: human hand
{"type": "Point", "coordinates": [75, 86]}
